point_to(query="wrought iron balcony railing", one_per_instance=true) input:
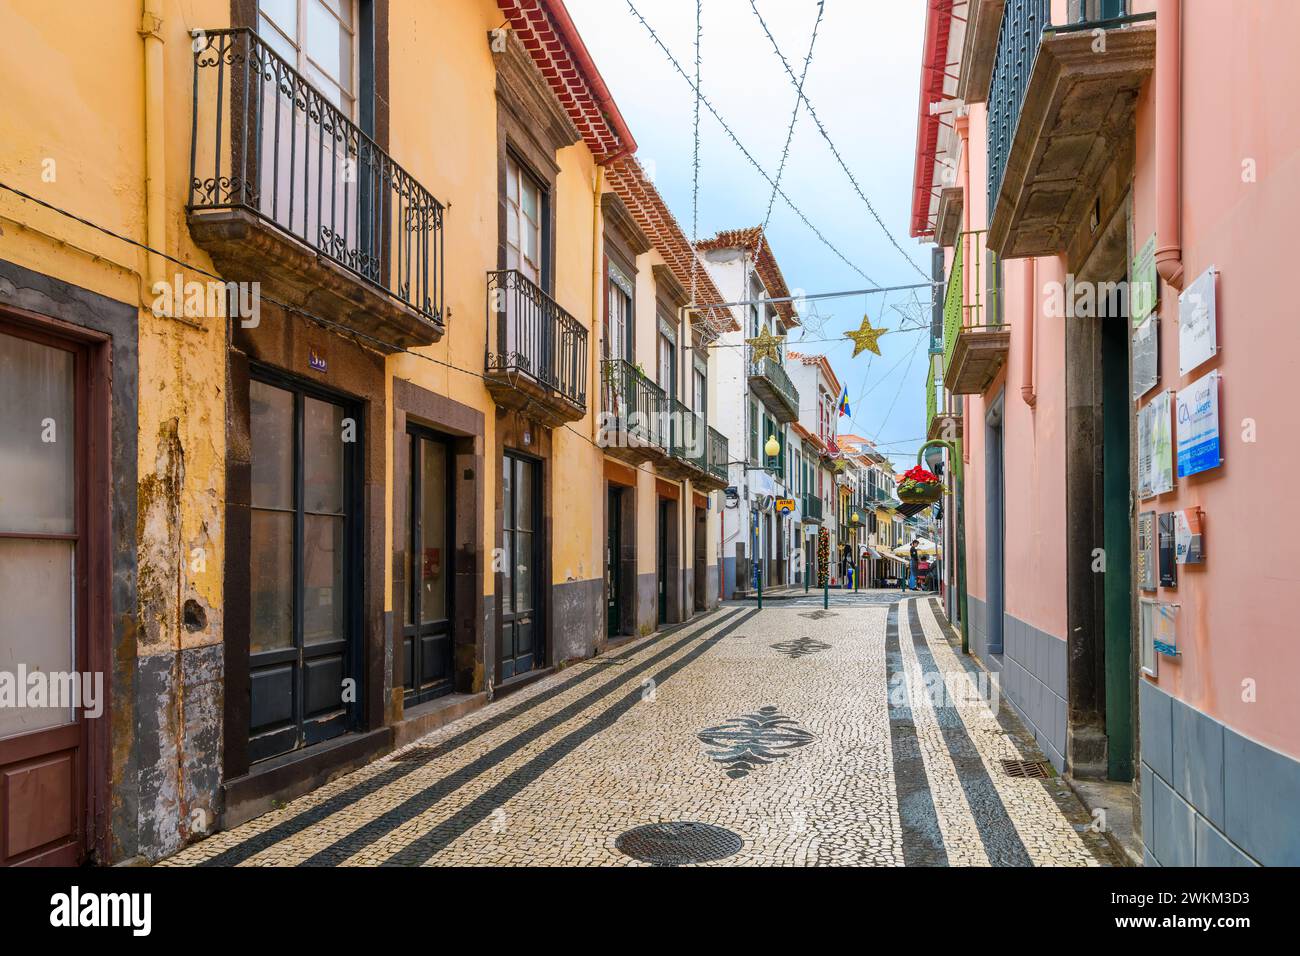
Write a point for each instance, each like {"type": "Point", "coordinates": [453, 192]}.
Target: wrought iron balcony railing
{"type": "Point", "coordinates": [1023, 22]}
{"type": "Point", "coordinates": [772, 383]}
{"type": "Point", "coordinates": [531, 335]}
{"type": "Point", "coordinates": [265, 141]}
{"type": "Point", "coordinates": [687, 435]}
{"type": "Point", "coordinates": [635, 405]}
{"type": "Point", "coordinates": [812, 507]}
{"type": "Point", "coordinates": [718, 452]}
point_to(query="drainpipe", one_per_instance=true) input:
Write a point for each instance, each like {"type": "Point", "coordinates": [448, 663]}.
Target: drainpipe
{"type": "Point", "coordinates": [597, 257]}
{"type": "Point", "coordinates": [1169, 134]}
{"type": "Point", "coordinates": [155, 156]}
{"type": "Point", "coordinates": [1027, 360]}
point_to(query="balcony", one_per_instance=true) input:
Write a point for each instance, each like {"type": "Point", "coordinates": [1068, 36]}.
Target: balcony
{"type": "Point", "coordinates": [687, 445]}
{"type": "Point", "coordinates": [812, 509]}
{"type": "Point", "coordinates": [770, 382]}
{"type": "Point", "coordinates": [717, 461]}
{"type": "Point", "coordinates": [632, 426]}
{"type": "Point", "coordinates": [1061, 108]}
{"type": "Point", "coordinates": [536, 361]}
{"type": "Point", "coordinates": [975, 339]}
{"type": "Point", "coordinates": [288, 192]}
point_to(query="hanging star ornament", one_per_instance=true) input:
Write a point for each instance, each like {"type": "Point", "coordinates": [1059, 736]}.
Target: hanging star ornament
{"type": "Point", "coordinates": [865, 337]}
{"type": "Point", "coordinates": [765, 345]}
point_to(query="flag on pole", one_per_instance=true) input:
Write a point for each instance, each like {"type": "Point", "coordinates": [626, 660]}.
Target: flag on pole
{"type": "Point", "coordinates": [844, 402]}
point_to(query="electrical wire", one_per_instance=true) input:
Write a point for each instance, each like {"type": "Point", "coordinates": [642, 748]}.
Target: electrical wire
{"type": "Point", "coordinates": [289, 309]}
{"type": "Point", "coordinates": [789, 133]}
{"type": "Point", "coordinates": [695, 187]}
{"type": "Point", "coordinates": [829, 142]}
{"type": "Point", "coordinates": [741, 146]}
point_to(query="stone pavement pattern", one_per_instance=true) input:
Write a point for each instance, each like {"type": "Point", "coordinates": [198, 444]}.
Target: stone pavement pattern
{"type": "Point", "coordinates": [816, 737]}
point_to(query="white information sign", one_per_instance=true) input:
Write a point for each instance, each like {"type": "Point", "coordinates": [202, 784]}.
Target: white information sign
{"type": "Point", "coordinates": [1146, 357]}
{"type": "Point", "coordinates": [1156, 446]}
{"type": "Point", "coordinates": [1198, 338]}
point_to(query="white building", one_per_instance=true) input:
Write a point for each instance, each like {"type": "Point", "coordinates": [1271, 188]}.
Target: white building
{"type": "Point", "coordinates": [758, 401]}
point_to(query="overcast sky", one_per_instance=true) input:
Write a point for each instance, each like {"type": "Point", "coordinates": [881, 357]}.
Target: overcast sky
{"type": "Point", "coordinates": [863, 82]}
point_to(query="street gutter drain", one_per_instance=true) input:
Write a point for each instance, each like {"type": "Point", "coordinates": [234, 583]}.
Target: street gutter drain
{"type": "Point", "coordinates": [1027, 768]}
{"type": "Point", "coordinates": [678, 843]}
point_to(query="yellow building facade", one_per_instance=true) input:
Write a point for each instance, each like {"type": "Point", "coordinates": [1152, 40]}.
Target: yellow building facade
{"type": "Point", "coordinates": [376, 385]}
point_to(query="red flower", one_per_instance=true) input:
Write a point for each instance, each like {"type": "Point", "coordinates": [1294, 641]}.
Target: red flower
{"type": "Point", "coordinates": [920, 476]}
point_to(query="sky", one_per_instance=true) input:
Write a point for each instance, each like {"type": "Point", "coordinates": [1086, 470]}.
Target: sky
{"type": "Point", "coordinates": [862, 81]}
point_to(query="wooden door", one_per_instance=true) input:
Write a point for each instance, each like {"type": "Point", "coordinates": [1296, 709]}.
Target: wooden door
{"type": "Point", "coordinates": [43, 600]}
{"type": "Point", "coordinates": [426, 632]}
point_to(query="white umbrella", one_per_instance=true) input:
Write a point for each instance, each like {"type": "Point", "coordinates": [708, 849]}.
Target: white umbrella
{"type": "Point", "coordinates": [923, 546]}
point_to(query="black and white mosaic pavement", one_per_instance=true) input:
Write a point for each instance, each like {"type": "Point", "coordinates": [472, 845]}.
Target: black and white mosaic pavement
{"type": "Point", "coordinates": [862, 737]}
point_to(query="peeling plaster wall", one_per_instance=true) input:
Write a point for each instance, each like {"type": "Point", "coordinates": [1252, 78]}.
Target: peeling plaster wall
{"type": "Point", "coordinates": [166, 689]}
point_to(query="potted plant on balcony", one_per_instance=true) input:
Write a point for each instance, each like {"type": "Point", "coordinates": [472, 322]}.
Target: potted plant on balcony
{"type": "Point", "coordinates": [919, 487]}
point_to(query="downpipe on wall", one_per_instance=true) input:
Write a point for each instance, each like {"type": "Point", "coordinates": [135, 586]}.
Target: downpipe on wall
{"type": "Point", "coordinates": [1169, 141]}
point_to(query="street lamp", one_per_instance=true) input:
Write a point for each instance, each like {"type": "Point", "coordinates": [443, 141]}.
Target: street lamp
{"type": "Point", "coordinates": [772, 447]}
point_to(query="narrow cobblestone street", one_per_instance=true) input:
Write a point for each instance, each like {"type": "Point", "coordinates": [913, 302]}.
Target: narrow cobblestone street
{"type": "Point", "coordinates": [777, 725]}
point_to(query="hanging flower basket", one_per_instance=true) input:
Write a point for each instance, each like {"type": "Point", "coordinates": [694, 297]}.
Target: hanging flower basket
{"type": "Point", "coordinates": [919, 487]}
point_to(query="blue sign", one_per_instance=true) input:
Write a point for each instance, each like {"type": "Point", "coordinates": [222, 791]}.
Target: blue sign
{"type": "Point", "coordinates": [1198, 426]}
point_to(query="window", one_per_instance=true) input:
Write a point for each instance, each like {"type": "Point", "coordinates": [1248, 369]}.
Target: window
{"type": "Point", "coordinates": [318, 38]}
{"type": "Point", "coordinates": [700, 398]}
{"type": "Point", "coordinates": [753, 433]}
{"type": "Point", "coordinates": [667, 365]}
{"type": "Point", "coordinates": [525, 212]}
{"type": "Point", "coordinates": [618, 330]}
{"type": "Point", "coordinates": [39, 530]}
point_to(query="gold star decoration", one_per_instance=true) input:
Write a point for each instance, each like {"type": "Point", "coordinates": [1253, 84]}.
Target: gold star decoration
{"type": "Point", "coordinates": [765, 345]}
{"type": "Point", "coordinates": [865, 337]}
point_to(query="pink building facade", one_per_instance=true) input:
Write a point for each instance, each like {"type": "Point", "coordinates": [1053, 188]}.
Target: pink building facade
{"type": "Point", "coordinates": [1113, 198]}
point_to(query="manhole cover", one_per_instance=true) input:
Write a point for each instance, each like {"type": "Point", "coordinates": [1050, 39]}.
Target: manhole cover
{"type": "Point", "coordinates": [1027, 768]}
{"type": "Point", "coordinates": [677, 844]}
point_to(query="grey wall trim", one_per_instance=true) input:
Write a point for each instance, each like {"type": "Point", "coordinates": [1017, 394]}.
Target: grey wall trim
{"type": "Point", "coordinates": [579, 619]}
{"type": "Point", "coordinates": [1033, 673]}
{"type": "Point", "coordinates": [1211, 796]}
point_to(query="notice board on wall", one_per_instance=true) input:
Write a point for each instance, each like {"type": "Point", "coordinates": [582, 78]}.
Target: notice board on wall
{"type": "Point", "coordinates": [1156, 446]}
{"type": "Point", "coordinates": [1198, 334]}
{"type": "Point", "coordinates": [1146, 356]}
{"type": "Point", "coordinates": [1189, 538]}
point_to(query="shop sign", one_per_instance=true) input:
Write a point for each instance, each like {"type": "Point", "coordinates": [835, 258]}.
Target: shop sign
{"type": "Point", "coordinates": [1198, 426]}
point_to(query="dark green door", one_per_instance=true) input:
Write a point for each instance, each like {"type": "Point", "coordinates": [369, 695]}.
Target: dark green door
{"type": "Point", "coordinates": [613, 553]}
{"type": "Point", "coordinates": [521, 632]}
{"type": "Point", "coordinates": [1117, 529]}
